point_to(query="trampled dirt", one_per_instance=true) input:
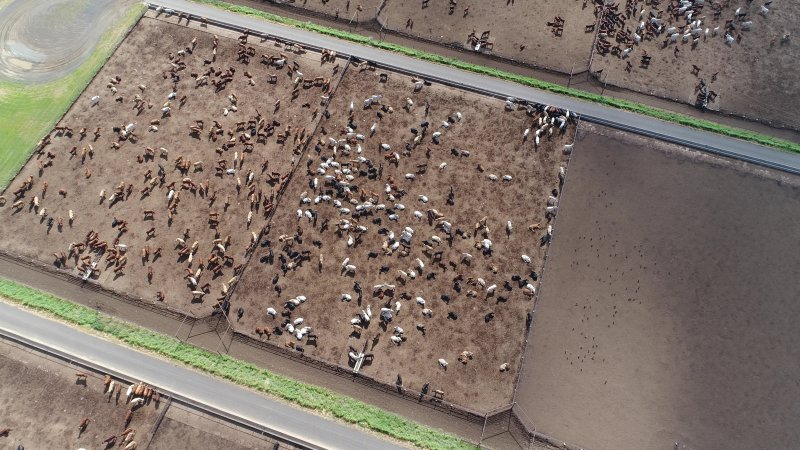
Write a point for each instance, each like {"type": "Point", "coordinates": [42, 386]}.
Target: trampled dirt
{"type": "Point", "coordinates": [223, 175]}
{"type": "Point", "coordinates": [518, 29]}
{"type": "Point", "coordinates": [667, 306]}
{"type": "Point", "coordinates": [467, 315]}
{"type": "Point", "coordinates": [43, 404]}
{"type": "Point", "coordinates": [486, 143]}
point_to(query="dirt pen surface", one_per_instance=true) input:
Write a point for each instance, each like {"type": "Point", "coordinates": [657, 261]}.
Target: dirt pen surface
{"type": "Point", "coordinates": [667, 310]}
{"type": "Point", "coordinates": [751, 76]}
{"type": "Point", "coordinates": [213, 177]}
{"type": "Point", "coordinates": [171, 212]}
{"type": "Point", "coordinates": [326, 243]}
{"type": "Point", "coordinates": [753, 73]}
{"type": "Point", "coordinates": [43, 405]}
{"type": "Point", "coordinates": [518, 30]}
{"type": "Point", "coordinates": [351, 10]}
{"type": "Point", "coordinates": [186, 428]}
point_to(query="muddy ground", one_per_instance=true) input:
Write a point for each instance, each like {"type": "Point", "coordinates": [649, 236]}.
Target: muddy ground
{"type": "Point", "coordinates": [43, 404]}
{"type": "Point", "coordinates": [140, 62]}
{"type": "Point", "coordinates": [667, 306]}
{"type": "Point", "coordinates": [518, 29]}
{"type": "Point", "coordinates": [493, 138]}
{"type": "Point", "coordinates": [752, 77]}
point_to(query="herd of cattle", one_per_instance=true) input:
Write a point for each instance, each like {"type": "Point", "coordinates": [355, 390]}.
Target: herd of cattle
{"type": "Point", "coordinates": [681, 22]}
{"type": "Point", "coordinates": [356, 191]}
{"type": "Point", "coordinates": [173, 172]}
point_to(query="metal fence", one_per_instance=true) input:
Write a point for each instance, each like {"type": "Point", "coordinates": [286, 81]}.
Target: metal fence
{"type": "Point", "coordinates": [72, 278]}
{"type": "Point", "coordinates": [508, 424]}
{"type": "Point", "coordinates": [346, 373]}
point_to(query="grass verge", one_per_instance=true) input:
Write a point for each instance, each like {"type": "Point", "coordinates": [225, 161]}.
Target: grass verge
{"type": "Point", "coordinates": [626, 105]}
{"type": "Point", "coordinates": [239, 372]}
{"type": "Point", "coordinates": [28, 112]}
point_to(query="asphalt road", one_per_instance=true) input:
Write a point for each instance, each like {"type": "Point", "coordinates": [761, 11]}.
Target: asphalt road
{"type": "Point", "coordinates": [593, 112]}
{"type": "Point", "coordinates": [308, 429]}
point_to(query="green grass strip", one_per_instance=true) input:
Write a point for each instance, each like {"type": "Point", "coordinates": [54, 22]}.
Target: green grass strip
{"type": "Point", "coordinates": [239, 372]}
{"type": "Point", "coordinates": [626, 105]}
{"type": "Point", "coordinates": [29, 111]}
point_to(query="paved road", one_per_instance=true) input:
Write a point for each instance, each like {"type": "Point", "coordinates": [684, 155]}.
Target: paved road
{"type": "Point", "coordinates": [309, 429]}
{"type": "Point", "coordinates": [593, 112]}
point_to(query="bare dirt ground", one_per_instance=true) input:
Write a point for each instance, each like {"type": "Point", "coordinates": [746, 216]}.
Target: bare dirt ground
{"type": "Point", "coordinates": [752, 77]}
{"type": "Point", "coordinates": [583, 81]}
{"type": "Point", "coordinates": [459, 319]}
{"type": "Point", "coordinates": [355, 10]}
{"type": "Point", "coordinates": [188, 429]}
{"type": "Point", "coordinates": [667, 310]}
{"type": "Point", "coordinates": [43, 404]}
{"type": "Point", "coordinates": [518, 29]}
{"type": "Point", "coordinates": [39, 393]}
{"type": "Point", "coordinates": [260, 163]}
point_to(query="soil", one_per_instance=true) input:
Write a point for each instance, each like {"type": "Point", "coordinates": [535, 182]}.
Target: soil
{"type": "Point", "coordinates": [751, 78]}
{"type": "Point", "coordinates": [582, 79]}
{"type": "Point", "coordinates": [43, 404]}
{"type": "Point", "coordinates": [494, 139]}
{"type": "Point", "coordinates": [140, 61]}
{"type": "Point", "coordinates": [667, 309]}
{"type": "Point", "coordinates": [341, 9]}
{"type": "Point", "coordinates": [30, 378]}
{"type": "Point", "coordinates": [518, 29]}
{"type": "Point", "coordinates": [189, 429]}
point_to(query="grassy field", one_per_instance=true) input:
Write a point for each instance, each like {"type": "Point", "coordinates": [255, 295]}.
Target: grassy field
{"type": "Point", "coordinates": [528, 81]}
{"type": "Point", "coordinates": [28, 112]}
{"type": "Point", "coordinates": [240, 372]}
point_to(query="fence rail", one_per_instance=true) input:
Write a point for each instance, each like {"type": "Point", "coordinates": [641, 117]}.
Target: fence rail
{"type": "Point", "coordinates": [495, 423]}
{"type": "Point", "coordinates": [66, 275]}
{"type": "Point", "coordinates": [346, 373]}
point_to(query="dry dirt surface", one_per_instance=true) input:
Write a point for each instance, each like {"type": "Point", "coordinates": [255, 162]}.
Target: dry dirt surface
{"type": "Point", "coordinates": [355, 10]}
{"type": "Point", "coordinates": [344, 240]}
{"type": "Point", "coordinates": [752, 76]}
{"type": "Point", "coordinates": [518, 29]}
{"type": "Point", "coordinates": [43, 404]}
{"type": "Point", "coordinates": [225, 178]}
{"type": "Point", "coordinates": [185, 428]}
{"type": "Point", "coordinates": [668, 305]}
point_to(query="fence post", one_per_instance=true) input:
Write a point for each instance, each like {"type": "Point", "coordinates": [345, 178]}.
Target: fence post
{"type": "Point", "coordinates": [483, 430]}
{"type": "Point", "coordinates": [181, 326]}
